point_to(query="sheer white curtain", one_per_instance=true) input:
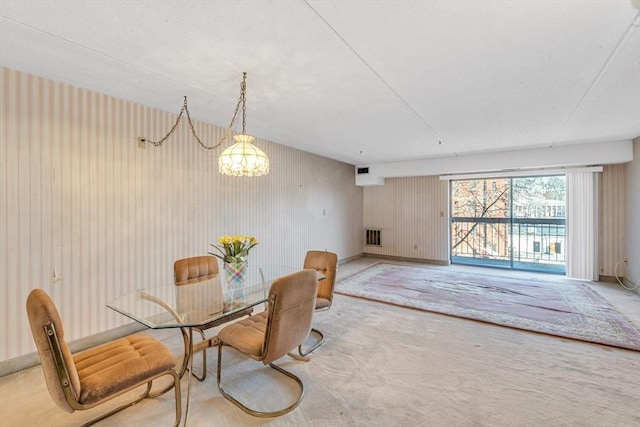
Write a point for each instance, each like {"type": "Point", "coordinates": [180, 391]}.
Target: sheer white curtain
{"type": "Point", "coordinates": [582, 225]}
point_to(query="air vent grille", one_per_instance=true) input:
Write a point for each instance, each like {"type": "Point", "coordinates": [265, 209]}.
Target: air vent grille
{"type": "Point", "coordinates": [373, 237]}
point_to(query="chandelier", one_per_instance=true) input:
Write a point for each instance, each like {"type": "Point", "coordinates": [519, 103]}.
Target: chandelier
{"type": "Point", "coordinates": [242, 158]}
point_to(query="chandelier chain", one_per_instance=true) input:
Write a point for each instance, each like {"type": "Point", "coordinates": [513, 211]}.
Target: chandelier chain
{"type": "Point", "coordinates": [243, 99]}
{"type": "Point", "coordinates": [173, 128]}
{"type": "Point", "coordinates": [185, 109]}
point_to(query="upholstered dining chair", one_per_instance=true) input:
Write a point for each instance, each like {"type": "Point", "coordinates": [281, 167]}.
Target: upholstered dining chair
{"type": "Point", "coordinates": [267, 336]}
{"type": "Point", "coordinates": [89, 378]}
{"type": "Point", "coordinates": [197, 269]}
{"type": "Point", "coordinates": [325, 263]}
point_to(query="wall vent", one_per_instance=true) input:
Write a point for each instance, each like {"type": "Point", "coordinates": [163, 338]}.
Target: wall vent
{"type": "Point", "coordinates": [363, 170]}
{"type": "Point", "coordinates": [372, 237]}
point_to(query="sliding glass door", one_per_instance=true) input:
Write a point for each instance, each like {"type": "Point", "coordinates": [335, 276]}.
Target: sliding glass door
{"type": "Point", "coordinates": [514, 223]}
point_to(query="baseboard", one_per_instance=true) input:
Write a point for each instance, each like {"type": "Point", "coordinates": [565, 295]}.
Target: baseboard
{"type": "Point", "coordinates": [349, 259]}
{"type": "Point", "coordinates": [407, 259]}
{"type": "Point", "coordinates": [19, 363]}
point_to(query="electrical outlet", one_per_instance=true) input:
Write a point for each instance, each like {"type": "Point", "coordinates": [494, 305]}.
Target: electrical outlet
{"type": "Point", "coordinates": [141, 142]}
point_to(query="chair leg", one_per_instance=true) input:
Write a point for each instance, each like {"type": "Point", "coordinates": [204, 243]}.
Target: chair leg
{"type": "Point", "coordinates": [304, 354]}
{"type": "Point", "coordinates": [204, 359]}
{"type": "Point", "coordinates": [178, 397]}
{"type": "Point", "coordinates": [245, 312]}
{"type": "Point", "coordinates": [254, 412]}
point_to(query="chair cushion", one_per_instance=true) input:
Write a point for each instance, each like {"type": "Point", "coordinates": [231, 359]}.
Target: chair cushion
{"type": "Point", "coordinates": [117, 365]}
{"type": "Point", "coordinates": [247, 335]}
{"type": "Point", "coordinates": [234, 316]}
{"type": "Point", "coordinates": [322, 304]}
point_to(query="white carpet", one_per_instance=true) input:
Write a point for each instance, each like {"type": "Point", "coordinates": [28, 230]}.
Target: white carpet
{"type": "Point", "coordinates": [384, 365]}
{"type": "Point", "coordinates": [390, 366]}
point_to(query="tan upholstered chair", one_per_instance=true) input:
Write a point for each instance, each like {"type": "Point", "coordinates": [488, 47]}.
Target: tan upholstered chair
{"type": "Point", "coordinates": [325, 263]}
{"type": "Point", "coordinates": [89, 378]}
{"type": "Point", "coordinates": [269, 335]}
{"type": "Point", "coordinates": [197, 269]}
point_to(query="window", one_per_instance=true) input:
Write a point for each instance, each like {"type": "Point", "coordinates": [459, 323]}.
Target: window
{"type": "Point", "coordinates": [509, 222]}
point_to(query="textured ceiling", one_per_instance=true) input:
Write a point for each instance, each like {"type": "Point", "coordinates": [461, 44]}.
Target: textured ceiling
{"type": "Point", "coordinates": [358, 81]}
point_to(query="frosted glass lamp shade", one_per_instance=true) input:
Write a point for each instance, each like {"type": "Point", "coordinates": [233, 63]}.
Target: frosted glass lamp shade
{"type": "Point", "coordinates": [243, 158]}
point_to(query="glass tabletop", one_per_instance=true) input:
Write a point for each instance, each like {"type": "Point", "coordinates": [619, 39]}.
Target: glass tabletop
{"type": "Point", "coordinates": [199, 303]}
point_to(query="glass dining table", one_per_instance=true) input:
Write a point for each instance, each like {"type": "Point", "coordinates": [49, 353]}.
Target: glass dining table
{"type": "Point", "coordinates": [188, 307]}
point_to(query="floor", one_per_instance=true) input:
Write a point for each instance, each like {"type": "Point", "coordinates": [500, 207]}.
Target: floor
{"type": "Point", "coordinates": [384, 366]}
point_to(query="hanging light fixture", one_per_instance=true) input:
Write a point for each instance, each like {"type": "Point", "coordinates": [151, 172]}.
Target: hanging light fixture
{"type": "Point", "coordinates": [242, 158]}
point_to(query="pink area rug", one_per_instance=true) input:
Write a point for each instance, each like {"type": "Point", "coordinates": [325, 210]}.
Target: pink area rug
{"type": "Point", "coordinates": [559, 306]}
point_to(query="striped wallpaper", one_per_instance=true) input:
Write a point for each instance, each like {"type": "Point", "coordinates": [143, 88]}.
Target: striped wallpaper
{"type": "Point", "coordinates": [612, 235]}
{"type": "Point", "coordinates": [412, 214]}
{"type": "Point", "coordinates": [79, 198]}
{"type": "Point", "coordinates": [632, 204]}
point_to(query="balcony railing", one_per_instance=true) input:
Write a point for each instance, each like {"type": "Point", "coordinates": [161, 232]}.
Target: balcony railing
{"type": "Point", "coordinates": [519, 243]}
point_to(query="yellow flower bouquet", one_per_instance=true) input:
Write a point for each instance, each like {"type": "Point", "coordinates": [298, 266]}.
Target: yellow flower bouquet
{"type": "Point", "coordinates": [234, 249]}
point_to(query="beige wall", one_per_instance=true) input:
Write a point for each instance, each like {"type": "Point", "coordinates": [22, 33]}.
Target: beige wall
{"type": "Point", "coordinates": [412, 214]}
{"type": "Point", "coordinates": [77, 196]}
{"type": "Point", "coordinates": [612, 214]}
{"type": "Point", "coordinates": [632, 229]}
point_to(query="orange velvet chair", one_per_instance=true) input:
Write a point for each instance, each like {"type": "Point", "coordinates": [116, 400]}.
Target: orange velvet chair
{"type": "Point", "coordinates": [92, 377]}
{"type": "Point", "coordinates": [327, 264]}
{"type": "Point", "coordinates": [269, 335]}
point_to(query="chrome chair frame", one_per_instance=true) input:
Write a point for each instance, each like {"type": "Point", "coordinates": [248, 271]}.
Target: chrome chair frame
{"type": "Point", "coordinates": [302, 354]}
{"type": "Point", "coordinates": [256, 413]}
